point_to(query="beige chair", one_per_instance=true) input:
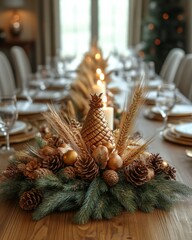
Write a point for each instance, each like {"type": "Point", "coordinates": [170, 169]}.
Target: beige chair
{"type": "Point", "coordinates": [22, 68]}
{"type": "Point", "coordinates": [171, 64]}
{"type": "Point", "coordinates": [190, 93]}
{"type": "Point", "coordinates": [7, 82]}
{"type": "Point", "coordinates": [183, 78]}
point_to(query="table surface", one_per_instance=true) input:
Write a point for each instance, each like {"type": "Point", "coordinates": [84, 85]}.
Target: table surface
{"type": "Point", "coordinates": [176, 224]}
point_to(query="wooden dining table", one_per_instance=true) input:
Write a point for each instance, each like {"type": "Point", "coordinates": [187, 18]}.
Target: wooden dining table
{"type": "Point", "coordinates": [176, 224]}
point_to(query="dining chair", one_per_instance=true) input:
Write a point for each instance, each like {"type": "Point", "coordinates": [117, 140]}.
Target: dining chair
{"type": "Point", "coordinates": [171, 64]}
{"type": "Point", "coordinates": [7, 82]}
{"type": "Point", "coordinates": [184, 75]}
{"type": "Point", "coordinates": [22, 67]}
{"type": "Point", "coordinates": [190, 93]}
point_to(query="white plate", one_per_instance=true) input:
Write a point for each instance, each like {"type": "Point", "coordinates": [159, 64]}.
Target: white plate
{"type": "Point", "coordinates": [25, 107]}
{"type": "Point", "coordinates": [154, 83]}
{"type": "Point", "coordinates": [151, 95]}
{"type": "Point", "coordinates": [48, 95]}
{"type": "Point", "coordinates": [18, 127]}
{"type": "Point", "coordinates": [178, 110]}
{"type": "Point", "coordinates": [184, 129]}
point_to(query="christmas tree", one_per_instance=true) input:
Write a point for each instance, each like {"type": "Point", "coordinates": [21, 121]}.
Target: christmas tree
{"type": "Point", "coordinates": [163, 29]}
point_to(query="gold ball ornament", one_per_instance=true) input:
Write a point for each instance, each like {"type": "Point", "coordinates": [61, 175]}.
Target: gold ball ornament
{"type": "Point", "coordinates": [70, 157]}
{"type": "Point", "coordinates": [109, 146]}
{"type": "Point", "coordinates": [115, 161]}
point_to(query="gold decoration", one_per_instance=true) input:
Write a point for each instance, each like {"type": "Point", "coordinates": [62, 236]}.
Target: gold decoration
{"type": "Point", "coordinates": [95, 130]}
{"type": "Point", "coordinates": [101, 156]}
{"type": "Point", "coordinates": [115, 161]}
{"type": "Point", "coordinates": [70, 157]}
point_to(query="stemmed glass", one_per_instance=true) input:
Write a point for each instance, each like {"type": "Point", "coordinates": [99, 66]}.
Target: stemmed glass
{"type": "Point", "coordinates": [165, 101]}
{"type": "Point", "coordinates": [8, 115]}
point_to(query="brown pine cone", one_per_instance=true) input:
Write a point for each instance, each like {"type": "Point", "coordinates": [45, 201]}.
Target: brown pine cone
{"type": "Point", "coordinates": [53, 162]}
{"type": "Point", "coordinates": [155, 162]}
{"type": "Point", "coordinates": [11, 171]}
{"type": "Point", "coordinates": [111, 177]}
{"type": "Point", "coordinates": [30, 199]}
{"type": "Point", "coordinates": [30, 168]}
{"type": "Point", "coordinates": [69, 172]}
{"type": "Point", "coordinates": [86, 168]}
{"type": "Point", "coordinates": [55, 141]}
{"type": "Point", "coordinates": [40, 172]}
{"type": "Point", "coordinates": [170, 172]}
{"type": "Point", "coordinates": [136, 173]}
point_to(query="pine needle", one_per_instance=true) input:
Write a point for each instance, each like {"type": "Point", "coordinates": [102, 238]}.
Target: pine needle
{"type": "Point", "coordinates": [129, 117]}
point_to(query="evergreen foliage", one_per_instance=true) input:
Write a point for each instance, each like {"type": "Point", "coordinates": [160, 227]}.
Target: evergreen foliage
{"type": "Point", "coordinates": [96, 200]}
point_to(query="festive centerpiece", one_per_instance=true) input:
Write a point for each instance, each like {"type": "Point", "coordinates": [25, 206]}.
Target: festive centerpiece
{"type": "Point", "coordinates": [91, 169]}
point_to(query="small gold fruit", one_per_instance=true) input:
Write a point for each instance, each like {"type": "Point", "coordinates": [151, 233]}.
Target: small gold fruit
{"type": "Point", "coordinates": [109, 146]}
{"type": "Point", "coordinates": [47, 150]}
{"type": "Point", "coordinates": [70, 157]}
{"type": "Point", "coordinates": [115, 161]}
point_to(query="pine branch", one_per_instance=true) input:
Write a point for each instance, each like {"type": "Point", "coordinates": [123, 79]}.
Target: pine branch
{"type": "Point", "coordinates": [90, 201]}
{"type": "Point", "coordinates": [114, 207]}
{"type": "Point", "coordinates": [124, 193]}
{"type": "Point", "coordinates": [49, 182]}
{"type": "Point", "coordinates": [53, 201]}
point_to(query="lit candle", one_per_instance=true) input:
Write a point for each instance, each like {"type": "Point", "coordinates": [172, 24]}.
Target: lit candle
{"type": "Point", "coordinates": [100, 87]}
{"type": "Point", "coordinates": [109, 113]}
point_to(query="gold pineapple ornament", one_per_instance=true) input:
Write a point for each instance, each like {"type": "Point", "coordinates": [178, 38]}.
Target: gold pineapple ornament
{"type": "Point", "coordinates": [95, 130]}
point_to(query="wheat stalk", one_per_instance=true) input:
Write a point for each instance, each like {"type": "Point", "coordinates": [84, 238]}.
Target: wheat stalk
{"type": "Point", "coordinates": [63, 129]}
{"type": "Point", "coordinates": [129, 116]}
{"type": "Point", "coordinates": [133, 153]}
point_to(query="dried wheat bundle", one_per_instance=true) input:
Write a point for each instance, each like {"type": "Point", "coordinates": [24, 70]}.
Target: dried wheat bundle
{"type": "Point", "coordinates": [129, 116]}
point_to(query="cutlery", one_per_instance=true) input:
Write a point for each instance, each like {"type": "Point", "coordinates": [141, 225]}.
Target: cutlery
{"type": "Point", "coordinates": [188, 152]}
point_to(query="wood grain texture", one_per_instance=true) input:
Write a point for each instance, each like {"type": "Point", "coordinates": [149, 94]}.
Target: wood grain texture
{"type": "Point", "coordinates": [16, 224]}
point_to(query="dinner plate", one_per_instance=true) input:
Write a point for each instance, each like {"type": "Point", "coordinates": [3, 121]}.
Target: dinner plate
{"type": "Point", "coordinates": [154, 84]}
{"type": "Point", "coordinates": [178, 110]}
{"type": "Point", "coordinates": [48, 95]}
{"type": "Point", "coordinates": [169, 135]}
{"type": "Point", "coordinates": [184, 129]}
{"type": "Point", "coordinates": [18, 127]}
{"type": "Point", "coordinates": [25, 107]}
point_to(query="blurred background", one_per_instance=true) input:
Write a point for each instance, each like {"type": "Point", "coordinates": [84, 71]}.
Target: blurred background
{"type": "Point", "coordinates": [67, 28]}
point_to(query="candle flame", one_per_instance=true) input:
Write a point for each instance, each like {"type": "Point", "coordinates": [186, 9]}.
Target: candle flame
{"type": "Point", "coordinates": [97, 56]}
{"type": "Point", "coordinates": [102, 76]}
{"type": "Point", "coordinates": [99, 83]}
{"type": "Point", "coordinates": [98, 71]}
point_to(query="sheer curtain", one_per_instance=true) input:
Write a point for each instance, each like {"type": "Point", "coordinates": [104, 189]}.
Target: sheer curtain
{"type": "Point", "coordinates": [126, 26]}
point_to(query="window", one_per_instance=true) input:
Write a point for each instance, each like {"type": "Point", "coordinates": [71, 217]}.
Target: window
{"type": "Point", "coordinates": [108, 20]}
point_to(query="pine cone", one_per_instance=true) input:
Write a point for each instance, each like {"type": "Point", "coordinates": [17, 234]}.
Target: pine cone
{"type": "Point", "coordinates": [136, 173]}
{"type": "Point", "coordinates": [86, 168]}
{"type": "Point", "coordinates": [40, 172]}
{"type": "Point", "coordinates": [69, 172]}
{"type": "Point", "coordinates": [30, 199]}
{"type": "Point", "coordinates": [55, 141]}
{"type": "Point", "coordinates": [53, 162]}
{"type": "Point", "coordinates": [155, 162]}
{"type": "Point", "coordinates": [30, 168]}
{"type": "Point", "coordinates": [11, 171]}
{"type": "Point", "coordinates": [170, 172]}
{"type": "Point", "coordinates": [111, 177]}
{"type": "Point", "coordinates": [95, 130]}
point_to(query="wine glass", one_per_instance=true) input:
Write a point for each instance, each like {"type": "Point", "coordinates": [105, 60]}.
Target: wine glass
{"type": "Point", "coordinates": [8, 115]}
{"type": "Point", "coordinates": [165, 100]}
